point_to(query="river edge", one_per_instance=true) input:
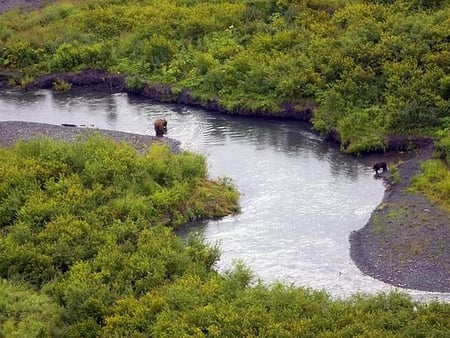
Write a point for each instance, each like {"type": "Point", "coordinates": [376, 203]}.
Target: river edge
{"type": "Point", "coordinates": [13, 131]}
{"type": "Point", "coordinates": [404, 241]}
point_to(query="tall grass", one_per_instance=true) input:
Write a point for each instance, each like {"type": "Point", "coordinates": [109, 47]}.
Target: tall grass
{"type": "Point", "coordinates": [434, 181]}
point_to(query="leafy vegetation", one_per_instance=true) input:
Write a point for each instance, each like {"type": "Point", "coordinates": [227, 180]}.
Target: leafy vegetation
{"type": "Point", "coordinates": [374, 68]}
{"type": "Point", "coordinates": [86, 228]}
{"type": "Point", "coordinates": [61, 86]}
{"type": "Point", "coordinates": [434, 178]}
{"type": "Point", "coordinates": [96, 209]}
{"type": "Point", "coordinates": [88, 251]}
{"type": "Point", "coordinates": [434, 181]}
{"type": "Point", "coordinates": [27, 313]}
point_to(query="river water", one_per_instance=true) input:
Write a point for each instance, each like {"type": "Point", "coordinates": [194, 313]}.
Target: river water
{"type": "Point", "coordinates": [300, 196]}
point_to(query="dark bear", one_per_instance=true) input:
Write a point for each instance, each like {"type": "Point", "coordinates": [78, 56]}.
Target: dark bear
{"type": "Point", "coordinates": [160, 127]}
{"type": "Point", "coordinates": [380, 165]}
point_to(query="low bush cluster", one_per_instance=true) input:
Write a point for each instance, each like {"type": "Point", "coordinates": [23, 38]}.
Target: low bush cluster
{"type": "Point", "coordinates": [90, 221]}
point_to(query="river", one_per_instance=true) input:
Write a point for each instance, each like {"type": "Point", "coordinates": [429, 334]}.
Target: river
{"type": "Point", "coordinates": [300, 197]}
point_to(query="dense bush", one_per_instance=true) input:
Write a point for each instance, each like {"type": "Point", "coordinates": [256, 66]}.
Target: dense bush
{"type": "Point", "coordinates": [87, 221]}
{"type": "Point", "coordinates": [350, 57]}
{"type": "Point", "coordinates": [59, 205]}
{"type": "Point", "coordinates": [89, 226]}
{"type": "Point", "coordinates": [27, 313]}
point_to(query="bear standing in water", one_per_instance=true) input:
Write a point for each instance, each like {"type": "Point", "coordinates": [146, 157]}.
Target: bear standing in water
{"type": "Point", "coordinates": [380, 165]}
{"type": "Point", "coordinates": [160, 127]}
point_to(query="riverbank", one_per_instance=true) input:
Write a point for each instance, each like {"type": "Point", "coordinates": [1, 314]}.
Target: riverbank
{"type": "Point", "coordinates": [12, 131]}
{"type": "Point", "coordinates": [405, 242]}
{"type": "Point", "coordinates": [163, 93]}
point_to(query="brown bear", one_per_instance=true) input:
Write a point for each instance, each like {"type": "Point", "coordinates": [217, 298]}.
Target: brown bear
{"type": "Point", "coordinates": [160, 127]}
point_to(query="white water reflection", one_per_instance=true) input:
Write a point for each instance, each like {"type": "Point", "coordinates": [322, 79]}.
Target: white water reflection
{"type": "Point", "coordinates": [300, 200]}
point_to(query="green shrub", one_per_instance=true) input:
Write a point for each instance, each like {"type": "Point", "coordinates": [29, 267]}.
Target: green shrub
{"type": "Point", "coordinates": [434, 181]}
{"type": "Point", "coordinates": [59, 206]}
{"type": "Point", "coordinates": [75, 57]}
{"type": "Point", "coordinates": [20, 54]}
{"type": "Point", "coordinates": [363, 130]}
{"type": "Point", "coordinates": [59, 85]}
{"type": "Point", "coordinates": [27, 313]}
{"type": "Point", "coordinates": [134, 83]}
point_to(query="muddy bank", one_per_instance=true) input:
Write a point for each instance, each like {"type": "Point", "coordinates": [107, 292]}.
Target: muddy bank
{"type": "Point", "coordinates": [405, 242]}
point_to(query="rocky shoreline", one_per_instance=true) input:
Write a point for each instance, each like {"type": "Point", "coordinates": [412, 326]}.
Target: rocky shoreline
{"type": "Point", "coordinates": [405, 242]}
{"type": "Point", "coordinates": [12, 131]}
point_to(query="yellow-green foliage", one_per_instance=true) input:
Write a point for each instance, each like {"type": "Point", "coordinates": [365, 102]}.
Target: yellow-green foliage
{"type": "Point", "coordinates": [27, 313]}
{"type": "Point", "coordinates": [366, 134]}
{"type": "Point", "coordinates": [351, 57]}
{"type": "Point", "coordinates": [434, 181]}
{"type": "Point", "coordinates": [88, 225]}
{"type": "Point", "coordinates": [59, 201]}
{"type": "Point", "coordinates": [60, 85]}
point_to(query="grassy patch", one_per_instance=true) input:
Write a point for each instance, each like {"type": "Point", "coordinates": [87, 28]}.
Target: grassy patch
{"type": "Point", "coordinates": [434, 182]}
{"type": "Point", "coordinates": [395, 174]}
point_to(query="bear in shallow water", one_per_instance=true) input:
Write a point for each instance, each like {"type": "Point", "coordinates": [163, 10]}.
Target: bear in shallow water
{"type": "Point", "coordinates": [160, 127]}
{"type": "Point", "coordinates": [380, 165]}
